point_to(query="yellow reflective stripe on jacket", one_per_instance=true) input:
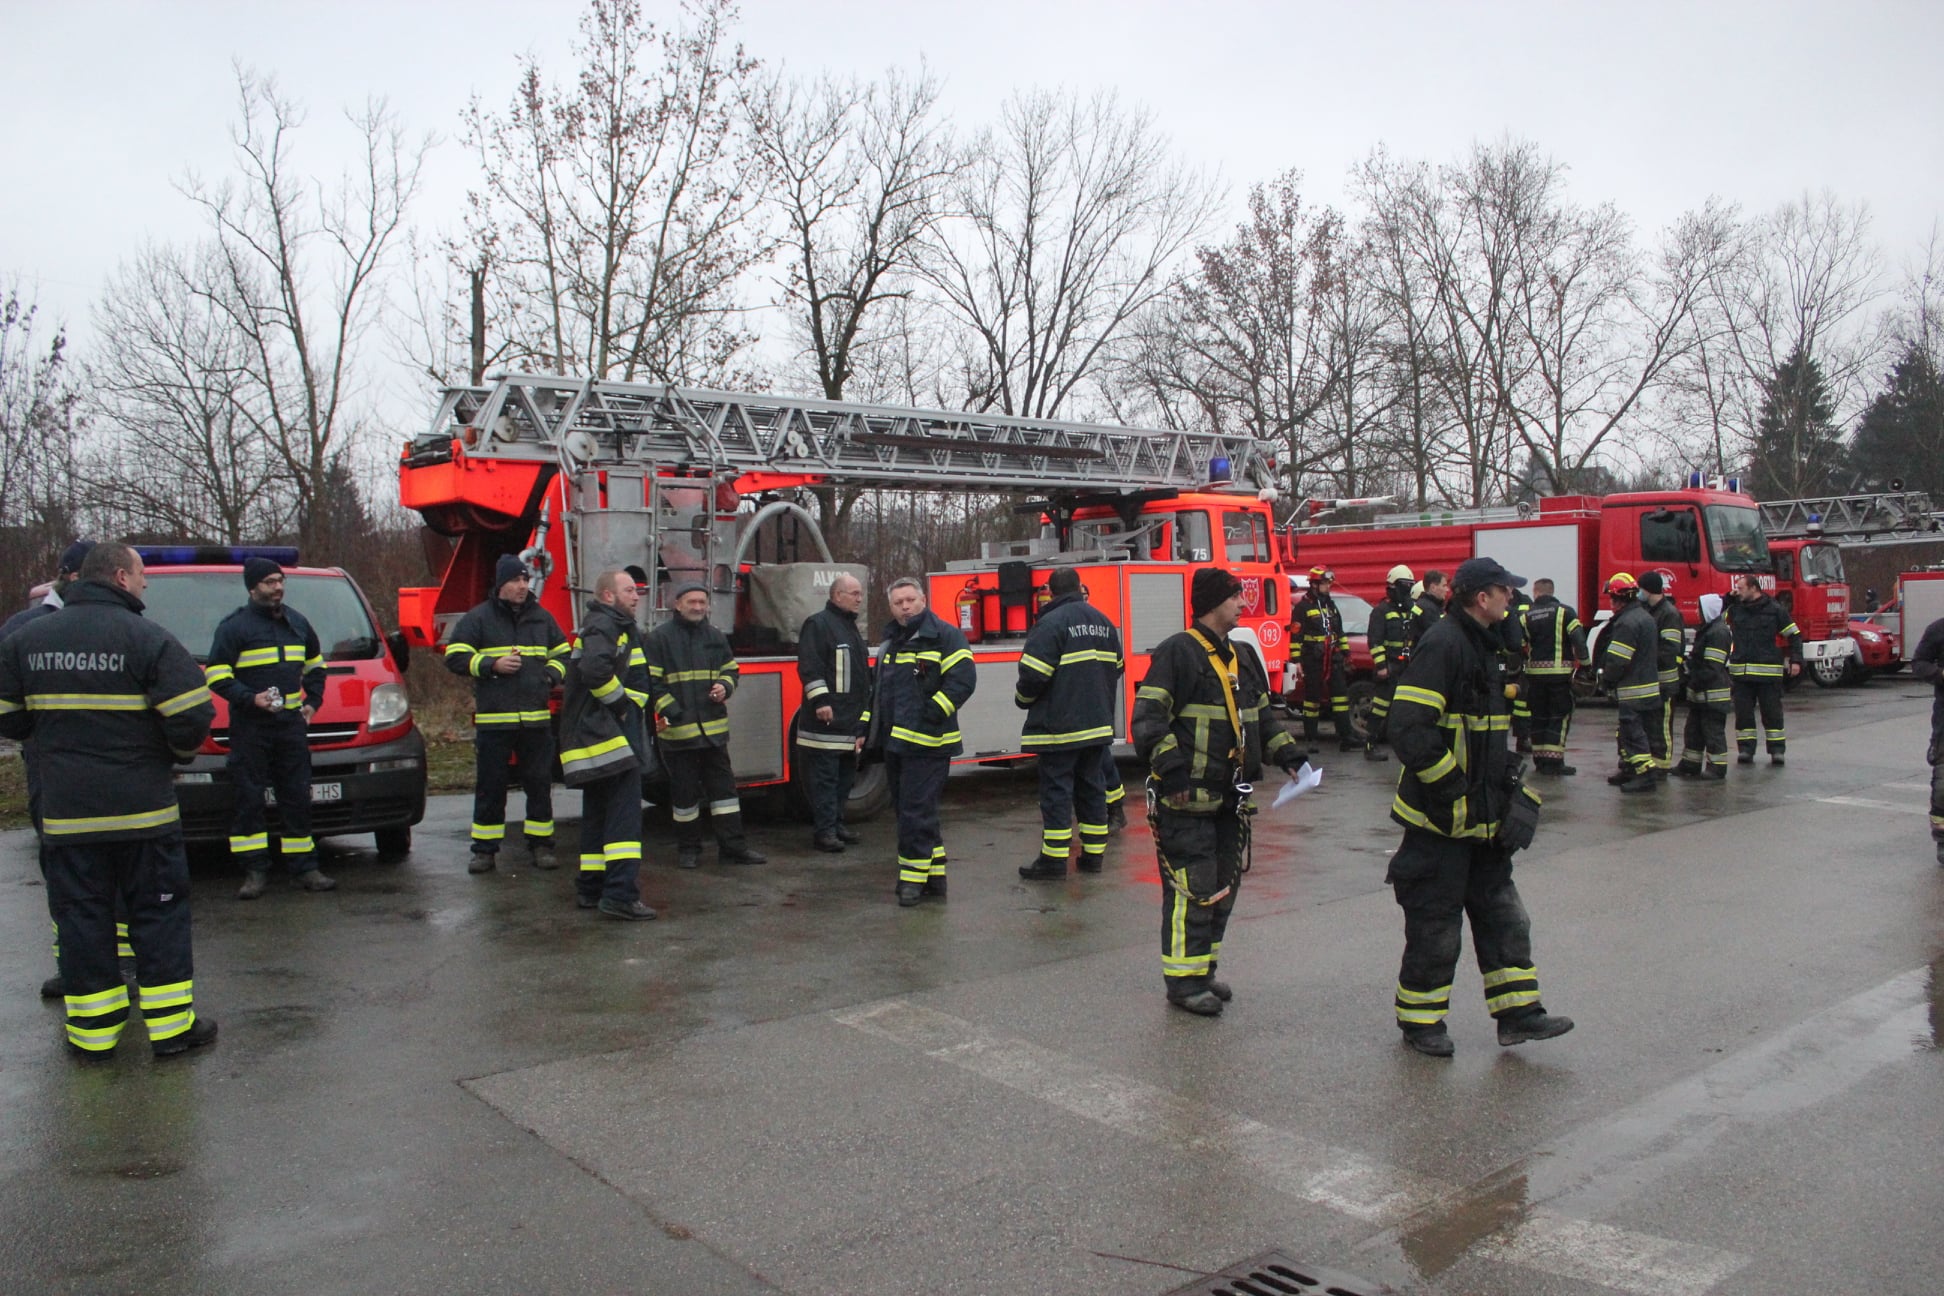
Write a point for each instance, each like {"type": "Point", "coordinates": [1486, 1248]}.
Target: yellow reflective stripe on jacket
{"type": "Point", "coordinates": [1623, 651]}
{"type": "Point", "coordinates": [511, 717]}
{"type": "Point", "coordinates": [1766, 670]}
{"type": "Point", "coordinates": [1154, 693]}
{"type": "Point", "coordinates": [962, 655]}
{"type": "Point", "coordinates": [1077, 738]}
{"type": "Point", "coordinates": [1549, 668]}
{"type": "Point", "coordinates": [1422, 696]}
{"type": "Point", "coordinates": [112, 823]}
{"type": "Point", "coordinates": [6, 706]}
{"type": "Point", "coordinates": [88, 701]}
{"type": "Point", "coordinates": [1639, 692]}
{"type": "Point", "coordinates": [687, 676]}
{"type": "Point", "coordinates": [608, 690]}
{"type": "Point", "coordinates": [579, 755]}
{"type": "Point", "coordinates": [1034, 663]}
{"type": "Point", "coordinates": [183, 701]}
{"type": "Point", "coordinates": [924, 739]}
{"type": "Point", "coordinates": [217, 672]}
{"type": "Point", "coordinates": [1087, 655]}
{"type": "Point", "coordinates": [944, 703]}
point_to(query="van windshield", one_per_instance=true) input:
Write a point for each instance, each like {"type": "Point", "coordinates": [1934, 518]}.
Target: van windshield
{"type": "Point", "coordinates": [189, 605]}
{"type": "Point", "coordinates": [1735, 539]}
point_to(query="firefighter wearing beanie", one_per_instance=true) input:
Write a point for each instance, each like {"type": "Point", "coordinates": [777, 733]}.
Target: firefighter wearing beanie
{"type": "Point", "coordinates": [512, 650]}
{"type": "Point", "coordinates": [267, 665]}
{"type": "Point", "coordinates": [1204, 727]}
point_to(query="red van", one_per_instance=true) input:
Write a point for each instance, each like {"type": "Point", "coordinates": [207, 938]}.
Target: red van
{"type": "Point", "coordinates": [367, 755]}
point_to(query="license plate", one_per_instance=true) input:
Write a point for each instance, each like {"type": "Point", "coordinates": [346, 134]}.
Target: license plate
{"type": "Point", "coordinates": [327, 791]}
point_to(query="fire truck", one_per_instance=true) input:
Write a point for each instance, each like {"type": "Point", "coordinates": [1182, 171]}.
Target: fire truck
{"type": "Point", "coordinates": [579, 476]}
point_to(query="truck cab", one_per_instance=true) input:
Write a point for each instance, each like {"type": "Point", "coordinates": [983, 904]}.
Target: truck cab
{"type": "Point", "coordinates": [1811, 584]}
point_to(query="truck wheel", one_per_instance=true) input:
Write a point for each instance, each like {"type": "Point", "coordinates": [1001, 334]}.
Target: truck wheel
{"type": "Point", "coordinates": [870, 794]}
{"type": "Point", "coordinates": [1828, 671]}
{"type": "Point", "coordinates": [394, 844]}
{"type": "Point", "coordinates": [1363, 695]}
{"type": "Point", "coordinates": [1855, 673]}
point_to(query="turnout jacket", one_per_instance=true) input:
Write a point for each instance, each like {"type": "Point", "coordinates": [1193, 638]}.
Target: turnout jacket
{"type": "Point", "coordinates": [924, 675]}
{"type": "Point", "coordinates": [607, 687]}
{"type": "Point", "coordinates": [112, 701]}
{"type": "Point", "coordinates": [1672, 632]}
{"type": "Point", "coordinates": [48, 606]}
{"type": "Point", "coordinates": [1448, 725]}
{"type": "Point", "coordinates": [1318, 626]}
{"type": "Point", "coordinates": [834, 667]}
{"type": "Point", "coordinates": [1756, 626]}
{"type": "Point", "coordinates": [1631, 665]}
{"type": "Point", "coordinates": [257, 648]}
{"type": "Point", "coordinates": [1182, 727]}
{"type": "Point", "coordinates": [684, 662]}
{"type": "Point", "coordinates": [1707, 665]}
{"type": "Point", "coordinates": [491, 631]}
{"type": "Point", "coordinates": [1555, 639]}
{"type": "Point", "coordinates": [1390, 634]}
{"type": "Point", "coordinates": [1927, 658]}
{"type": "Point", "coordinates": [1429, 613]}
{"type": "Point", "coordinates": [1069, 675]}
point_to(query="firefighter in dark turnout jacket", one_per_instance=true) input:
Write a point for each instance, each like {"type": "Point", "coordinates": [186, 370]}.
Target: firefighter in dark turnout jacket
{"type": "Point", "coordinates": [1704, 741]}
{"type": "Point", "coordinates": [925, 676]}
{"type": "Point", "coordinates": [1756, 667]}
{"type": "Point", "coordinates": [1927, 663]}
{"type": "Point", "coordinates": [1390, 635]}
{"type": "Point", "coordinates": [834, 668]}
{"type": "Point", "coordinates": [1204, 726]}
{"type": "Point", "coordinates": [1555, 645]}
{"type": "Point", "coordinates": [267, 664]}
{"type": "Point", "coordinates": [1631, 670]}
{"type": "Point", "coordinates": [1512, 638]}
{"type": "Point", "coordinates": [1316, 625]}
{"type": "Point", "coordinates": [1429, 600]}
{"type": "Point", "coordinates": [604, 745]}
{"type": "Point", "coordinates": [513, 651]}
{"type": "Point", "coordinates": [112, 701]}
{"type": "Point", "coordinates": [1069, 676]}
{"type": "Point", "coordinates": [1464, 812]}
{"type": "Point", "coordinates": [1657, 592]}
{"type": "Point", "coordinates": [692, 672]}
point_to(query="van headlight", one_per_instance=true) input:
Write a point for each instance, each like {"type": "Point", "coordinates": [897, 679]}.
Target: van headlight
{"type": "Point", "coordinates": [389, 706]}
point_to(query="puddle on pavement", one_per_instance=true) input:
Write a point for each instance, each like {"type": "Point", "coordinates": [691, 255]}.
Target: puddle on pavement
{"type": "Point", "coordinates": [1440, 1242]}
{"type": "Point", "coordinates": [284, 1023]}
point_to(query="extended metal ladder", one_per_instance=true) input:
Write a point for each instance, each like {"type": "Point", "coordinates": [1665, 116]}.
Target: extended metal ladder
{"type": "Point", "coordinates": [584, 422]}
{"type": "Point", "coordinates": [1851, 515]}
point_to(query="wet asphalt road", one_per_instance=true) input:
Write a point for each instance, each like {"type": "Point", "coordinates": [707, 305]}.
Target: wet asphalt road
{"type": "Point", "coordinates": [431, 1082]}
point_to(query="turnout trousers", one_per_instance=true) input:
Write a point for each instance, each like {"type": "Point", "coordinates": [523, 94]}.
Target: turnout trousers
{"type": "Point", "coordinates": [1202, 859]}
{"type": "Point", "coordinates": [1704, 741]}
{"type": "Point", "coordinates": [1636, 739]}
{"type": "Point", "coordinates": [1552, 716]}
{"type": "Point", "coordinates": [830, 775]}
{"type": "Point", "coordinates": [701, 778]}
{"type": "Point", "coordinates": [122, 946]}
{"type": "Point", "coordinates": [1660, 732]}
{"type": "Point", "coordinates": [271, 751]}
{"type": "Point", "coordinates": [148, 878]}
{"type": "Point", "coordinates": [1326, 688]}
{"type": "Point", "coordinates": [1439, 882]}
{"type": "Point", "coordinates": [917, 786]}
{"type": "Point", "coordinates": [1110, 777]}
{"type": "Point", "coordinates": [532, 747]}
{"type": "Point", "coordinates": [1071, 796]}
{"type": "Point", "coordinates": [1936, 757]}
{"type": "Point", "coordinates": [1764, 694]}
{"type": "Point", "coordinates": [1377, 729]}
{"type": "Point", "coordinates": [610, 839]}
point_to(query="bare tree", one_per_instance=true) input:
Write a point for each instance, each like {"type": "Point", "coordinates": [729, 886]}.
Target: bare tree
{"type": "Point", "coordinates": [39, 413]}
{"type": "Point", "coordinates": [612, 222]}
{"type": "Point", "coordinates": [297, 273]}
{"type": "Point", "coordinates": [1073, 213]}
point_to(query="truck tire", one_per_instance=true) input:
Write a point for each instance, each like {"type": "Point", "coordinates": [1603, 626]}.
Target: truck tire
{"type": "Point", "coordinates": [869, 797]}
{"type": "Point", "coordinates": [1828, 671]}
{"type": "Point", "coordinates": [1363, 695]}
{"type": "Point", "coordinates": [394, 844]}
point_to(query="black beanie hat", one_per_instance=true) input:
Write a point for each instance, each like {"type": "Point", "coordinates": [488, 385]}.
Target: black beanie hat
{"type": "Point", "coordinates": [1212, 588]}
{"type": "Point", "coordinates": [255, 569]}
{"type": "Point", "coordinates": [509, 567]}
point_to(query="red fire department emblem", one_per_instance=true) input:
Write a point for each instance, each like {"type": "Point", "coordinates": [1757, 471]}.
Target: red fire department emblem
{"type": "Point", "coordinates": [1252, 596]}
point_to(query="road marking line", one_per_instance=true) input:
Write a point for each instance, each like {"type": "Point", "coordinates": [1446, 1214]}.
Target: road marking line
{"type": "Point", "coordinates": [1866, 803]}
{"type": "Point", "coordinates": [1909, 787]}
{"type": "Point", "coordinates": [1337, 1178]}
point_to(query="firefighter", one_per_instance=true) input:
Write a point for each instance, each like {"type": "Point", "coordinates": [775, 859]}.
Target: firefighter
{"type": "Point", "coordinates": [1110, 778]}
{"type": "Point", "coordinates": [604, 746]}
{"type": "Point", "coordinates": [112, 701]}
{"type": "Point", "coordinates": [1465, 812]}
{"type": "Point", "coordinates": [925, 676]}
{"type": "Point", "coordinates": [1512, 635]}
{"type": "Point", "coordinates": [692, 672]}
{"type": "Point", "coordinates": [1317, 626]}
{"type": "Point", "coordinates": [1756, 665]}
{"type": "Point", "coordinates": [1927, 663]}
{"type": "Point", "coordinates": [267, 664]}
{"type": "Point", "coordinates": [1069, 676]}
{"type": "Point", "coordinates": [1704, 741]}
{"type": "Point", "coordinates": [1555, 646]}
{"type": "Point", "coordinates": [1657, 592]}
{"type": "Point", "coordinates": [1430, 596]}
{"type": "Point", "coordinates": [513, 651]}
{"type": "Point", "coordinates": [1631, 669]}
{"type": "Point", "coordinates": [1390, 636]}
{"type": "Point", "coordinates": [1204, 725]}
{"type": "Point", "coordinates": [834, 668]}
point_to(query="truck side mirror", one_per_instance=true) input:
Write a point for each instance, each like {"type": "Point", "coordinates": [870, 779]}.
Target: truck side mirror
{"type": "Point", "coordinates": [401, 651]}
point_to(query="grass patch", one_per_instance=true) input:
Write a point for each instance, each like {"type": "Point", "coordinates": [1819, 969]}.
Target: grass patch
{"type": "Point", "coordinates": [13, 791]}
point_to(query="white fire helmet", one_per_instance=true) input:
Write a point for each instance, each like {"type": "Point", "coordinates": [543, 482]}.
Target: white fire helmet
{"type": "Point", "coordinates": [1399, 573]}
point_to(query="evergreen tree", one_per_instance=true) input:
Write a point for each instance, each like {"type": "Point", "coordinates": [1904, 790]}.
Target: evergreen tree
{"type": "Point", "coordinates": [1901, 434]}
{"type": "Point", "coordinates": [1797, 450]}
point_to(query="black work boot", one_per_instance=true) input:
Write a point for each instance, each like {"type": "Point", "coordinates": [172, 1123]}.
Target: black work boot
{"type": "Point", "coordinates": [1220, 989]}
{"type": "Point", "coordinates": [55, 988]}
{"type": "Point", "coordinates": [1195, 999]}
{"type": "Point", "coordinates": [628, 910]}
{"type": "Point", "coordinates": [1044, 868]}
{"type": "Point", "coordinates": [1777, 758]}
{"type": "Point", "coordinates": [1372, 754]}
{"type": "Point", "coordinates": [1940, 864]}
{"type": "Point", "coordinates": [544, 857]}
{"type": "Point", "coordinates": [201, 1031]}
{"type": "Point", "coordinates": [254, 882]}
{"type": "Point", "coordinates": [1686, 771]}
{"type": "Point", "coordinates": [483, 862]}
{"type": "Point", "coordinates": [741, 855]}
{"type": "Point", "coordinates": [1622, 776]}
{"type": "Point", "coordinates": [688, 857]}
{"type": "Point", "coordinates": [313, 879]}
{"type": "Point", "coordinates": [846, 836]}
{"type": "Point", "coordinates": [1745, 758]}
{"type": "Point", "coordinates": [1089, 862]}
{"type": "Point", "coordinates": [1641, 782]}
{"type": "Point", "coordinates": [1524, 746]}
{"type": "Point", "coordinates": [910, 893]}
{"type": "Point", "coordinates": [1116, 817]}
{"type": "Point", "coordinates": [829, 841]}
{"type": "Point", "coordinates": [935, 886]}
{"type": "Point", "coordinates": [1432, 1041]}
{"type": "Point", "coordinates": [1537, 1024]}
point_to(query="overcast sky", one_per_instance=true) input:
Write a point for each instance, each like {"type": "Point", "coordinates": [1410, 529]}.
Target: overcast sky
{"type": "Point", "coordinates": [1654, 106]}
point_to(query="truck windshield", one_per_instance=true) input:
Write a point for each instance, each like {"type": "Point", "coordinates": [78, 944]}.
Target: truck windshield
{"type": "Point", "coordinates": [189, 605]}
{"type": "Point", "coordinates": [1822, 564]}
{"type": "Point", "coordinates": [1735, 538]}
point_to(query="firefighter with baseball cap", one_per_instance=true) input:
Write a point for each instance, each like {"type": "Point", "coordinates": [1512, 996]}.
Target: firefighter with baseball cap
{"type": "Point", "coordinates": [1630, 667]}
{"type": "Point", "coordinates": [112, 701]}
{"type": "Point", "coordinates": [1317, 626]}
{"type": "Point", "coordinates": [1657, 592]}
{"type": "Point", "coordinates": [1204, 726]}
{"type": "Point", "coordinates": [1555, 646]}
{"type": "Point", "coordinates": [1390, 636]}
{"type": "Point", "coordinates": [1465, 811]}
{"type": "Point", "coordinates": [512, 650]}
{"type": "Point", "coordinates": [1756, 666]}
{"type": "Point", "coordinates": [267, 664]}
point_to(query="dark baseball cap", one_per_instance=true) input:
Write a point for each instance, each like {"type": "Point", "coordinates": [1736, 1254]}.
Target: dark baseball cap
{"type": "Point", "coordinates": [1477, 573]}
{"type": "Point", "coordinates": [74, 555]}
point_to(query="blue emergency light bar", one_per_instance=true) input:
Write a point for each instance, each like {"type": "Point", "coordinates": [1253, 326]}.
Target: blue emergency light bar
{"type": "Point", "coordinates": [1219, 471]}
{"type": "Point", "coordinates": [214, 555]}
{"type": "Point", "coordinates": [1703, 481]}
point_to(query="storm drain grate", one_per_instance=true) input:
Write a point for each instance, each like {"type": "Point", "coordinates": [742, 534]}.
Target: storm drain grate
{"type": "Point", "coordinates": [1274, 1274]}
